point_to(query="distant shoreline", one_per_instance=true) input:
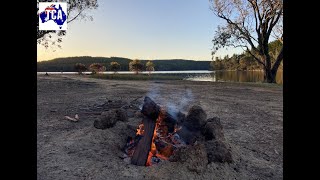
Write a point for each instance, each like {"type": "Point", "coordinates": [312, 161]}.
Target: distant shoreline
{"type": "Point", "coordinates": [131, 72]}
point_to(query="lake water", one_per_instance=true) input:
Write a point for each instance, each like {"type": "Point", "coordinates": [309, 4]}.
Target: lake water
{"type": "Point", "coordinates": [233, 76]}
{"type": "Point", "coordinates": [203, 75]}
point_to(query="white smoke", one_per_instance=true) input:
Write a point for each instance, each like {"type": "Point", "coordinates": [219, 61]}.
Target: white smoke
{"type": "Point", "coordinates": [174, 103]}
{"type": "Point", "coordinates": [180, 103]}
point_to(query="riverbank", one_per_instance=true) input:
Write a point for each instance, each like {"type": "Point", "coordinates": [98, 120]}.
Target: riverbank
{"type": "Point", "coordinates": [251, 115]}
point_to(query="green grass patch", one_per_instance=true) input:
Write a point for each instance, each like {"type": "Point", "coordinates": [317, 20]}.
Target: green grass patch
{"type": "Point", "coordinates": [140, 77]}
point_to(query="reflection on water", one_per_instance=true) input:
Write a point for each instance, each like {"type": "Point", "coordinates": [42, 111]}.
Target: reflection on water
{"type": "Point", "coordinates": [233, 76]}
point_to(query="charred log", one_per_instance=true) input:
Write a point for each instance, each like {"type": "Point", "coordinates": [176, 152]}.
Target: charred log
{"type": "Point", "coordinates": [170, 121]}
{"type": "Point", "coordinates": [150, 108]}
{"type": "Point", "coordinates": [140, 155]}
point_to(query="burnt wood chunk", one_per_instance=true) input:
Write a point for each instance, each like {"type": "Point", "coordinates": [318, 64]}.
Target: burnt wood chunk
{"type": "Point", "coordinates": [195, 119]}
{"type": "Point", "coordinates": [170, 121]}
{"type": "Point", "coordinates": [186, 135]}
{"type": "Point", "coordinates": [140, 155]}
{"type": "Point", "coordinates": [109, 118]}
{"type": "Point", "coordinates": [213, 129]}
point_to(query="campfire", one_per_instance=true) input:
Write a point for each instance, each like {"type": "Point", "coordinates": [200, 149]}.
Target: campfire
{"type": "Point", "coordinates": [161, 134]}
{"type": "Point", "coordinates": [169, 135]}
{"type": "Point", "coordinates": [156, 138]}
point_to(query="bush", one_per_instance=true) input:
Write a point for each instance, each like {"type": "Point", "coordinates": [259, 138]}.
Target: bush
{"type": "Point", "coordinates": [80, 68]}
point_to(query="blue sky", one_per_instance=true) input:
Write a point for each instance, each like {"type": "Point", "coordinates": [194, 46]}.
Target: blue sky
{"type": "Point", "coordinates": [142, 29]}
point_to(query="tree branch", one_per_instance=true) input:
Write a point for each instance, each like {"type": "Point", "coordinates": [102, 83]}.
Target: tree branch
{"type": "Point", "coordinates": [255, 16]}
{"type": "Point", "coordinates": [255, 57]}
{"type": "Point", "coordinates": [258, 11]}
{"type": "Point", "coordinates": [278, 61]}
{"type": "Point", "coordinates": [272, 24]}
{"type": "Point", "coordinates": [247, 36]}
{"type": "Point", "coordinates": [75, 16]}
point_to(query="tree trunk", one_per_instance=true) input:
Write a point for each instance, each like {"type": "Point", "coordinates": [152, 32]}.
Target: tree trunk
{"type": "Point", "coordinates": [271, 73]}
{"type": "Point", "coordinates": [269, 76]}
{"type": "Point", "coordinates": [278, 62]}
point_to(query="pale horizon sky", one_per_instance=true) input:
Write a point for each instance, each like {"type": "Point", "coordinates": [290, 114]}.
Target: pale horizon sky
{"type": "Point", "coordinates": [142, 29]}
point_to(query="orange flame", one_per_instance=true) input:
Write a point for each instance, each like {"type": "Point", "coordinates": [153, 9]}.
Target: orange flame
{"type": "Point", "coordinates": [162, 131]}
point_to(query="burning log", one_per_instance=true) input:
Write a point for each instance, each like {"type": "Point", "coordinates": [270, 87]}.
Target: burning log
{"type": "Point", "coordinates": [151, 111]}
{"type": "Point", "coordinates": [140, 155]}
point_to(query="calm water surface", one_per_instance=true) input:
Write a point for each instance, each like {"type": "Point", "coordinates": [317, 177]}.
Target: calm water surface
{"type": "Point", "coordinates": [233, 76]}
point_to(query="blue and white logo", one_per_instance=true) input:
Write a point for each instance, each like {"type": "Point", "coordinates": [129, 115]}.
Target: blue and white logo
{"type": "Point", "coordinates": [53, 16]}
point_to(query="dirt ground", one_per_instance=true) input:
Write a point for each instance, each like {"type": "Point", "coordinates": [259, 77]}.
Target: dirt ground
{"type": "Point", "coordinates": [251, 115]}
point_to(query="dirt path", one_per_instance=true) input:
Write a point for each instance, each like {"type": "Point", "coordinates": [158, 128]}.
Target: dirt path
{"type": "Point", "coordinates": [251, 115]}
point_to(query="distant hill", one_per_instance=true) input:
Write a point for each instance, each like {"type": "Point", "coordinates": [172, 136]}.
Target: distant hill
{"type": "Point", "coordinates": [67, 64]}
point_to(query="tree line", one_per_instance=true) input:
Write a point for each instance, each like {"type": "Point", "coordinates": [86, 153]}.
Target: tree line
{"type": "Point", "coordinates": [68, 64]}
{"type": "Point", "coordinates": [245, 61]}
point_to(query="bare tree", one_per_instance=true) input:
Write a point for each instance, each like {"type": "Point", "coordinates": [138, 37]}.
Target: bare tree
{"type": "Point", "coordinates": [76, 9]}
{"type": "Point", "coordinates": [249, 25]}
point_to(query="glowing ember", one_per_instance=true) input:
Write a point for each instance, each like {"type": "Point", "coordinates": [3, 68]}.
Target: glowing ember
{"type": "Point", "coordinates": [140, 129]}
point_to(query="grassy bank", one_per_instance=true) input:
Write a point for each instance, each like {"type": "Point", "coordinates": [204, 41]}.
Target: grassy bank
{"type": "Point", "coordinates": [142, 77]}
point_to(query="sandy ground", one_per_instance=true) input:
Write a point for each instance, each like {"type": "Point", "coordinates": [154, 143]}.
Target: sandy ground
{"type": "Point", "coordinates": [251, 115]}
